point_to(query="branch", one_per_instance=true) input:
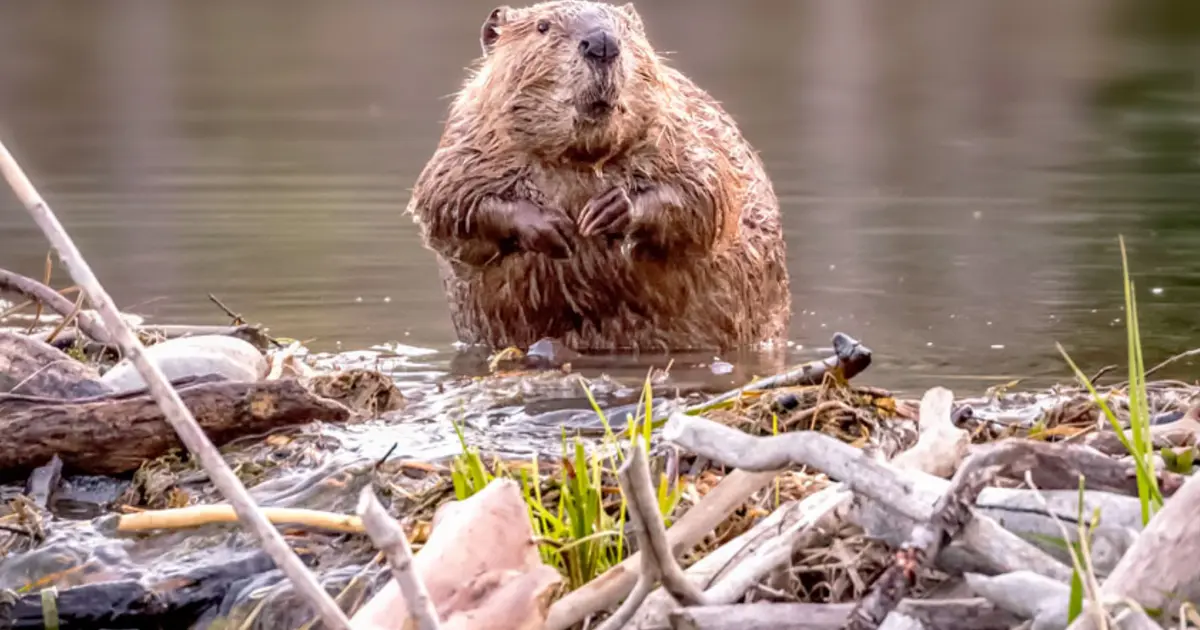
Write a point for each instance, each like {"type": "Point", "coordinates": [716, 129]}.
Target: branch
{"type": "Point", "coordinates": [173, 408]}
{"type": "Point", "coordinates": [51, 299]}
{"type": "Point", "coordinates": [606, 591]}
{"type": "Point", "coordinates": [881, 483]}
{"type": "Point", "coordinates": [657, 559]}
{"type": "Point", "coordinates": [950, 516]}
{"type": "Point", "coordinates": [389, 538]}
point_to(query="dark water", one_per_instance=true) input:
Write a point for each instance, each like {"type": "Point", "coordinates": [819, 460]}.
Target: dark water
{"type": "Point", "coordinates": [953, 173]}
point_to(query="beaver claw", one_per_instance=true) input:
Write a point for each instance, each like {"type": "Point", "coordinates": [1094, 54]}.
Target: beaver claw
{"type": "Point", "coordinates": [543, 231]}
{"type": "Point", "coordinates": [608, 214]}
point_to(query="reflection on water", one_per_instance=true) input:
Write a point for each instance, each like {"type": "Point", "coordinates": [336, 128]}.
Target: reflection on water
{"type": "Point", "coordinates": [953, 173]}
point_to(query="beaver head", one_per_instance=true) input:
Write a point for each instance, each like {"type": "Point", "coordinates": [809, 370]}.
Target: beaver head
{"type": "Point", "coordinates": [567, 78]}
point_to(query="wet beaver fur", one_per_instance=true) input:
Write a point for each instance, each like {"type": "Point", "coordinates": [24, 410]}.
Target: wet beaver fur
{"type": "Point", "coordinates": [584, 190]}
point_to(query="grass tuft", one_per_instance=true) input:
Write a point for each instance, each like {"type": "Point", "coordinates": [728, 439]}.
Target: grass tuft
{"type": "Point", "coordinates": [577, 530]}
{"type": "Point", "coordinates": [1141, 447]}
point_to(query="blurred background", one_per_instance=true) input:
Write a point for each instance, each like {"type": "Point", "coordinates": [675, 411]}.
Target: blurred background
{"type": "Point", "coordinates": [953, 174]}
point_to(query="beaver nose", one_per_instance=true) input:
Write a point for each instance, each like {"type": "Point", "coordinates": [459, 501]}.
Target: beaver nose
{"type": "Point", "coordinates": [599, 46]}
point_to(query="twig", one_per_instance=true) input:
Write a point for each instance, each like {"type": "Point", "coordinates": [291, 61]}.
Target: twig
{"type": "Point", "coordinates": [236, 317]}
{"type": "Point", "coordinates": [176, 413]}
{"type": "Point", "coordinates": [37, 311]}
{"type": "Point", "coordinates": [1179, 357]}
{"type": "Point", "coordinates": [66, 321]}
{"type": "Point", "coordinates": [389, 538]}
{"type": "Point", "coordinates": [657, 560]}
{"type": "Point", "coordinates": [43, 294]}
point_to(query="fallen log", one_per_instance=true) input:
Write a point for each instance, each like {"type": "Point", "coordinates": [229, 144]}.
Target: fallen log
{"type": "Point", "coordinates": [112, 435]}
{"type": "Point", "coordinates": [35, 368]}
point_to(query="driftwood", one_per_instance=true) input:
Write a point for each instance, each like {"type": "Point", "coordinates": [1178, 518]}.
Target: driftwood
{"type": "Point", "coordinates": [1027, 595]}
{"type": "Point", "coordinates": [167, 602]}
{"type": "Point", "coordinates": [949, 614]}
{"type": "Point", "coordinates": [880, 483]}
{"type": "Point", "coordinates": [35, 368]}
{"type": "Point", "coordinates": [743, 562]}
{"type": "Point", "coordinates": [115, 435]}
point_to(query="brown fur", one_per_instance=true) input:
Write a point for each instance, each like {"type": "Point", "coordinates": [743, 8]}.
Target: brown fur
{"type": "Point", "coordinates": [697, 262]}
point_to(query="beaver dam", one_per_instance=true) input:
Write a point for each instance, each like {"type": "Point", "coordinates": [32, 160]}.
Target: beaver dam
{"type": "Point", "coordinates": [804, 500]}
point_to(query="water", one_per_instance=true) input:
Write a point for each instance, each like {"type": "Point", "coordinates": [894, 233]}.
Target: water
{"type": "Point", "coordinates": [953, 173]}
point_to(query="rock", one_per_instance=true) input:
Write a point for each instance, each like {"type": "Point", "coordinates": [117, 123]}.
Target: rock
{"type": "Point", "coordinates": [229, 357]}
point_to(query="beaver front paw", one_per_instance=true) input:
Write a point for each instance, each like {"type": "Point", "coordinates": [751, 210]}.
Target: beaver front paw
{"type": "Point", "coordinates": [608, 214]}
{"type": "Point", "coordinates": [542, 231]}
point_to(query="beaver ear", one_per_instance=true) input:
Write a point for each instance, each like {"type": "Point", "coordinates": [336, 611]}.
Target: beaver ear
{"type": "Point", "coordinates": [631, 13]}
{"type": "Point", "coordinates": [490, 31]}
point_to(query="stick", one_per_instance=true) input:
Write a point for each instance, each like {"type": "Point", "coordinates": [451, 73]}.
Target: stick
{"type": "Point", "coordinates": [607, 590]}
{"type": "Point", "coordinates": [389, 538]}
{"type": "Point", "coordinates": [200, 515]}
{"type": "Point", "coordinates": [850, 357]}
{"type": "Point", "coordinates": [45, 295]}
{"type": "Point", "coordinates": [173, 408]}
{"type": "Point", "coordinates": [638, 488]}
{"type": "Point", "coordinates": [657, 560]}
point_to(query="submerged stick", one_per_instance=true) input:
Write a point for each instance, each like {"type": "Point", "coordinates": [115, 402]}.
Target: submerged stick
{"type": "Point", "coordinates": [390, 539]}
{"type": "Point", "coordinates": [173, 408]}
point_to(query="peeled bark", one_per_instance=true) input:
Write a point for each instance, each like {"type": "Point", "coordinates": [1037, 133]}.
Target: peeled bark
{"type": "Point", "coordinates": [111, 435]}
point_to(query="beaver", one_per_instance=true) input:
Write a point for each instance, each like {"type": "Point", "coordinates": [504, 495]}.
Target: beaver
{"type": "Point", "coordinates": [585, 191]}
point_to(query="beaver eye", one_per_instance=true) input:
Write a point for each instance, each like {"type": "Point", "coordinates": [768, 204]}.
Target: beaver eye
{"type": "Point", "coordinates": [543, 26]}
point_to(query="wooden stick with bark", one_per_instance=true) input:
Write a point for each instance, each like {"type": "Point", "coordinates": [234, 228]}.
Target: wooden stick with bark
{"type": "Point", "coordinates": [176, 413]}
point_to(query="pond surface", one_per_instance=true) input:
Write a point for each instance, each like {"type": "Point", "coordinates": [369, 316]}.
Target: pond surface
{"type": "Point", "coordinates": [953, 173]}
